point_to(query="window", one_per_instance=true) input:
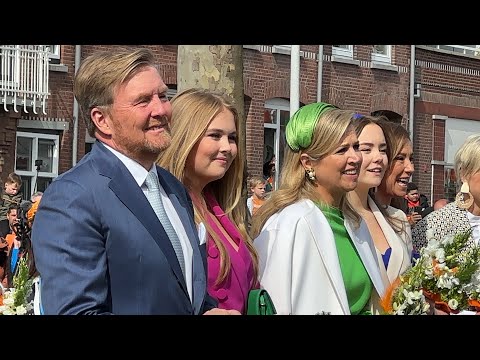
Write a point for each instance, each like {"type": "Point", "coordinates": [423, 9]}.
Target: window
{"type": "Point", "coordinates": [345, 51]}
{"type": "Point", "coordinates": [54, 53]}
{"type": "Point", "coordinates": [450, 183]}
{"type": "Point", "coordinates": [282, 49]}
{"type": "Point", "coordinates": [382, 54]}
{"type": "Point", "coordinates": [36, 161]}
{"type": "Point", "coordinates": [456, 132]}
{"type": "Point", "coordinates": [276, 116]}
{"type": "Point", "coordinates": [472, 50]}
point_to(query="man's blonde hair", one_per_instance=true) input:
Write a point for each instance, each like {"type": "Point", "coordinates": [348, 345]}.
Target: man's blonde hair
{"type": "Point", "coordinates": [101, 73]}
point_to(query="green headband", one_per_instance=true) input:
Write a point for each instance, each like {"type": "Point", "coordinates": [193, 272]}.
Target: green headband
{"type": "Point", "coordinates": [301, 125]}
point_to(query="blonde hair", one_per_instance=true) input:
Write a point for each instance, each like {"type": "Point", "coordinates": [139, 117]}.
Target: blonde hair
{"type": "Point", "coordinates": [192, 112]}
{"type": "Point", "coordinates": [13, 178]}
{"type": "Point", "coordinates": [467, 158]}
{"type": "Point", "coordinates": [101, 73]}
{"type": "Point", "coordinates": [330, 130]}
{"type": "Point", "coordinates": [254, 181]}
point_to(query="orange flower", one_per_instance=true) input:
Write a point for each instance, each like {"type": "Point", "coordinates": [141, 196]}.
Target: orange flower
{"type": "Point", "coordinates": [474, 303]}
{"type": "Point", "coordinates": [386, 300]}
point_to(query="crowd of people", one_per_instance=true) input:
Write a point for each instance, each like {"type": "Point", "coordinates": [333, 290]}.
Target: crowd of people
{"type": "Point", "coordinates": [153, 221]}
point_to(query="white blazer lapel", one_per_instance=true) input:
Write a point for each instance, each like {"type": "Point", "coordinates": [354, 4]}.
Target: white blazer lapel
{"type": "Point", "coordinates": [325, 243]}
{"type": "Point", "coordinates": [366, 250]}
{"type": "Point", "coordinates": [397, 256]}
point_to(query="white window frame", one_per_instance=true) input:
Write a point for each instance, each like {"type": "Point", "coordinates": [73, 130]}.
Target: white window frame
{"type": "Point", "coordinates": [383, 58]}
{"type": "Point", "coordinates": [345, 51]}
{"type": "Point", "coordinates": [282, 49]}
{"type": "Point", "coordinates": [33, 171]}
{"type": "Point", "coordinates": [54, 53]}
{"type": "Point", "coordinates": [277, 104]}
{"type": "Point", "coordinates": [465, 50]}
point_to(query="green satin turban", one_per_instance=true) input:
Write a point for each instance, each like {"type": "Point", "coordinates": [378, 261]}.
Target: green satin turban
{"type": "Point", "coordinates": [299, 131]}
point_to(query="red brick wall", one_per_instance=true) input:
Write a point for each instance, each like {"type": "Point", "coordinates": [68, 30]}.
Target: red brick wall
{"type": "Point", "coordinates": [347, 86]}
{"type": "Point", "coordinates": [8, 129]}
{"type": "Point", "coordinates": [438, 151]}
{"type": "Point", "coordinates": [450, 86]}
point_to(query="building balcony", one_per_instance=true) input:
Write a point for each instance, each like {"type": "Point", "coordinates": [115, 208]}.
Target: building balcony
{"type": "Point", "coordinates": [24, 78]}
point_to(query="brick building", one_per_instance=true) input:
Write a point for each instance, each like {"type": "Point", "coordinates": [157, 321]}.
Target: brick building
{"type": "Point", "coordinates": [38, 118]}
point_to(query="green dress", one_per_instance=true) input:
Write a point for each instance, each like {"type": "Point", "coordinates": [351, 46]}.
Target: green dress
{"type": "Point", "coordinates": [355, 277]}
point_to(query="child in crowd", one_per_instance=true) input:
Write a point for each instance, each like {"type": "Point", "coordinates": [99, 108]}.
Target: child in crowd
{"type": "Point", "coordinates": [11, 196]}
{"type": "Point", "coordinates": [257, 187]}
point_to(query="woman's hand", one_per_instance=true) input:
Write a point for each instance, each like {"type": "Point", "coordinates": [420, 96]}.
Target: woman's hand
{"type": "Point", "coordinates": [217, 311]}
{"type": "Point", "coordinates": [413, 218]}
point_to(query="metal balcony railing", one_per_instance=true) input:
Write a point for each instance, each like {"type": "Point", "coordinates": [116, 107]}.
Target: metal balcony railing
{"type": "Point", "coordinates": [24, 77]}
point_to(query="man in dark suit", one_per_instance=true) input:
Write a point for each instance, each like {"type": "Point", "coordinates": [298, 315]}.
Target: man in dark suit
{"type": "Point", "coordinates": [99, 246]}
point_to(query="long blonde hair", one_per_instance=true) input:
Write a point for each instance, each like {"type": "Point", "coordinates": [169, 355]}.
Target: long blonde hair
{"type": "Point", "coordinates": [192, 112]}
{"type": "Point", "coordinates": [329, 131]}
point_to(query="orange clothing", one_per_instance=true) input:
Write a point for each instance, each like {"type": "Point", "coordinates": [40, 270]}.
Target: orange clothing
{"type": "Point", "coordinates": [256, 204]}
{"type": "Point", "coordinates": [10, 237]}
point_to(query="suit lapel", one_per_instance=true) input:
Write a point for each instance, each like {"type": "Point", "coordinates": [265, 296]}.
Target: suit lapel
{"type": "Point", "coordinates": [131, 195]}
{"type": "Point", "coordinates": [198, 270]}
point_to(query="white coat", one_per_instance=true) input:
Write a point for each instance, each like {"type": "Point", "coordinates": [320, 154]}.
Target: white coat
{"type": "Point", "coordinates": [299, 264]}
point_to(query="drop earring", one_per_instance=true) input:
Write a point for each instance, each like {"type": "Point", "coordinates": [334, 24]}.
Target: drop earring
{"type": "Point", "coordinates": [464, 198]}
{"type": "Point", "coordinates": [310, 175]}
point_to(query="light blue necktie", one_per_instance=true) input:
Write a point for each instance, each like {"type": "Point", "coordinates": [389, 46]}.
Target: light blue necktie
{"type": "Point", "coordinates": [153, 196]}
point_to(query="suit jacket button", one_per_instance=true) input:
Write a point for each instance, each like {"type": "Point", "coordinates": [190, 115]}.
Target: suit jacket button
{"type": "Point", "coordinates": [213, 252]}
{"type": "Point", "coordinates": [222, 294]}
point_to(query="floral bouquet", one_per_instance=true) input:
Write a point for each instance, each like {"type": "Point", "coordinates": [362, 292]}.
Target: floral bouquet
{"type": "Point", "coordinates": [14, 301]}
{"type": "Point", "coordinates": [446, 274]}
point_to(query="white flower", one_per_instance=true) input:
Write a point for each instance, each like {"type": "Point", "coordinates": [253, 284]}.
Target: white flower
{"type": "Point", "coordinates": [426, 307]}
{"type": "Point", "coordinates": [20, 310]}
{"type": "Point", "coordinates": [399, 309]}
{"type": "Point", "coordinates": [8, 311]}
{"type": "Point", "coordinates": [453, 304]}
{"type": "Point", "coordinates": [440, 255]}
{"type": "Point", "coordinates": [8, 301]}
{"type": "Point", "coordinates": [431, 247]}
{"type": "Point", "coordinates": [441, 265]}
{"type": "Point", "coordinates": [448, 239]}
{"type": "Point", "coordinates": [447, 281]}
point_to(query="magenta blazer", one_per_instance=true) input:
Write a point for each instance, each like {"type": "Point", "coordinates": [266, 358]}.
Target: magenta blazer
{"type": "Point", "coordinates": [231, 293]}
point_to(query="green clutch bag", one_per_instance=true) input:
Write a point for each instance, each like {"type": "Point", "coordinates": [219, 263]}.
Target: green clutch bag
{"type": "Point", "coordinates": [260, 303]}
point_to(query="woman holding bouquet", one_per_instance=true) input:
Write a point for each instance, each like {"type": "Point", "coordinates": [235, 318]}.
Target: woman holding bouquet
{"type": "Point", "coordinates": [311, 262]}
{"type": "Point", "coordinates": [387, 228]}
{"type": "Point", "coordinates": [464, 213]}
{"type": "Point", "coordinates": [205, 156]}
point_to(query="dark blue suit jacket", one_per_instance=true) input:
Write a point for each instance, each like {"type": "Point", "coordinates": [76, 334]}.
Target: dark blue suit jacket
{"type": "Point", "coordinates": [100, 248]}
